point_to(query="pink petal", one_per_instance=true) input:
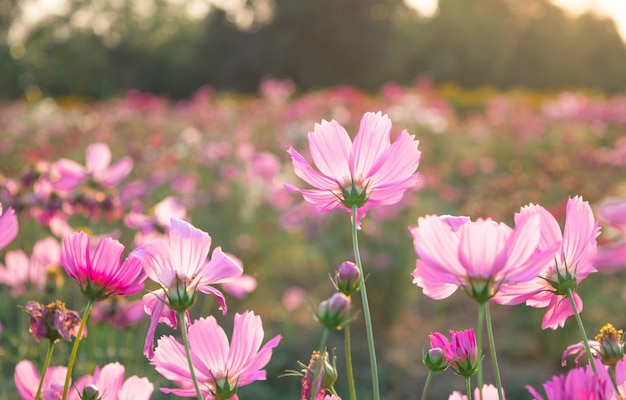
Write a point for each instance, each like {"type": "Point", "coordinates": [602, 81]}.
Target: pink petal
{"type": "Point", "coordinates": [210, 345]}
{"type": "Point", "coordinates": [579, 236]}
{"type": "Point", "coordinates": [436, 245]}
{"type": "Point", "coordinates": [399, 162]}
{"type": "Point", "coordinates": [75, 255]}
{"type": "Point", "coordinates": [329, 145]}
{"type": "Point", "coordinates": [559, 310]}
{"type": "Point", "coordinates": [26, 379]}
{"type": "Point", "coordinates": [370, 142]}
{"type": "Point", "coordinates": [97, 157]}
{"type": "Point", "coordinates": [220, 268]}
{"type": "Point", "coordinates": [481, 247]}
{"type": "Point", "coordinates": [136, 388]}
{"type": "Point", "coordinates": [105, 260]}
{"type": "Point", "coordinates": [68, 175]}
{"type": "Point", "coordinates": [110, 379]}
{"type": "Point", "coordinates": [189, 248]}
{"type": "Point", "coordinates": [304, 171]}
{"type": "Point", "coordinates": [113, 175]}
{"type": "Point", "coordinates": [155, 257]}
{"type": "Point", "coordinates": [8, 226]}
{"type": "Point", "coordinates": [170, 360]}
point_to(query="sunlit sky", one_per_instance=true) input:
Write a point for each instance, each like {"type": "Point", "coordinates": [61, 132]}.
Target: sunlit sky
{"type": "Point", "coordinates": [36, 9]}
{"type": "Point", "coordinates": [612, 8]}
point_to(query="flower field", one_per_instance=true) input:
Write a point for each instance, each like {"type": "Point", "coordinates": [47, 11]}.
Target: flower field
{"type": "Point", "coordinates": [119, 168]}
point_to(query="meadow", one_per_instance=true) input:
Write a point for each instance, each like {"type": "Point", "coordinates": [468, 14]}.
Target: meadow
{"type": "Point", "coordinates": [222, 157]}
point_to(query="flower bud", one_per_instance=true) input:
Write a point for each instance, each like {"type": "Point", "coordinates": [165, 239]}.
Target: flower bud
{"type": "Point", "coordinates": [181, 297]}
{"type": "Point", "coordinates": [434, 359]}
{"type": "Point", "coordinates": [90, 392]}
{"type": "Point", "coordinates": [464, 359]}
{"type": "Point", "coordinates": [347, 278]}
{"type": "Point", "coordinates": [334, 312]}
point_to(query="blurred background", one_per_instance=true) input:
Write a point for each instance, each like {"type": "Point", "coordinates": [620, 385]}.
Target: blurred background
{"type": "Point", "coordinates": [171, 47]}
{"type": "Point", "coordinates": [513, 102]}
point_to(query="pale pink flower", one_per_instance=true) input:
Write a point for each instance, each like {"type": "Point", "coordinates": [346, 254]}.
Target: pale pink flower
{"type": "Point", "coordinates": [181, 268]}
{"type": "Point", "coordinates": [110, 384]}
{"type": "Point", "coordinates": [8, 226]}
{"type": "Point", "coordinates": [367, 172]}
{"type": "Point", "coordinates": [68, 174]}
{"type": "Point", "coordinates": [218, 365]}
{"type": "Point", "coordinates": [21, 272]}
{"type": "Point", "coordinates": [481, 256]}
{"type": "Point", "coordinates": [490, 392]}
{"type": "Point", "coordinates": [27, 381]}
{"type": "Point", "coordinates": [570, 265]}
{"type": "Point", "coordinates": [98, 271]}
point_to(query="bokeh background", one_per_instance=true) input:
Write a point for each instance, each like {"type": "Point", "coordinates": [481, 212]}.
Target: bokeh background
{"type": "Point", "coordinates": [513, 102]}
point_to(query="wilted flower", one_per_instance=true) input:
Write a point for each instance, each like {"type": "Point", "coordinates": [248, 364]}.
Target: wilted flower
{"type": "Point", "coordinates": [365, 173]}
{"type": "Point", "coordinates": [53, 322]}
{"type": "Point", "coordinates": [608, 347]}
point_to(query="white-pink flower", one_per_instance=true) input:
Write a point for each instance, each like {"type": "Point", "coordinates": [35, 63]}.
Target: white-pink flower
{"type": "Point", "coordinates": [181, 268]}
{"type": "Point", "coordinates": [365, 173]}
{"type": "Point", "coordinates": [67, 174]}
{"type": "Point", "coordinates": [219, 365]}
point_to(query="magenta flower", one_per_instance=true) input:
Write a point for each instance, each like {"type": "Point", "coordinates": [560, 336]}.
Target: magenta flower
{"type": "Point", "coordinates": [21, 272]}
{"type": "Point", "coordinates": [365, 173]}
{"type": "Point", "coordinates": [98, 271]}
{"type": "Point", "coordinates": [578, 384]}
{"type": "Point", "coordinates": [68, 174]}
{"type": "Point", "coordinates": [461, 352]}
{"type": "Point", "coordinates": [481, 256]}
{"type": "Point", "coordinates": [569, 266]}
{"type": "Point", "coordinates": [27, 380]}
{"type": "Point", "coordinates": [220, 367]}
{"type": "Point", "coordinates": [181, 268]}
{"type": "Point", "coordinates": [8, 226]}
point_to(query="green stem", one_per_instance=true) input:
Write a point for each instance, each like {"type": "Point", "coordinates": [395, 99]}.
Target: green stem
{"type": "Point", "coordinates": [366, 309]}
{"type": "Point", "coordinates": [427, 384]}
{"type": "Point", "coordinates": [468, 388]}
{"type": "Point", "coordinates": [183, 328]}
{"type": "Point", "coordinates": [492, 348]}
{"type": "Point", "coordinates": [349, 371]}
{"type": "Point", "coordinates": [46, 364]}
{"type": "Point", "coordinates": [582, 331]}
{"type": "Point", "coordinates": [324, 339]}
{"type": "Point", "coordinates": [479, 346]}
{"type": "Point", "coordinates": [70, 365]}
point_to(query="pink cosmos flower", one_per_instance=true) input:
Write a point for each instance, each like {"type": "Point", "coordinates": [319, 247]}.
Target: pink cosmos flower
{"type": "Point", "coordinates": [367, 172]}
{"type": "Point", "coordinates": [8, 226]}
{"type": "Point", "coordinates": [27, 381]}
{"type": "Point", "coordinates": [157, 224]}
{"type": "Point", "coordinates": [481, 256]}
{"type": "Point", "coordinates": [578, 384]}
{"type": "Point", "coordinates": [68, 174]}
{"type": "Point", "coordinates": [181, 268]}
{"type": "Point", "coordinates": [21, 272]}
{"type": "Point", "coordinates": [98, 270]}
{"type": "Point", "coordinates": [461, 352]}
{"type": "Point", "coordinates": [220, 367]}
{"type": "Point", "coordinates": [569, 266]}
{"type": "Point", "coordinates": [490, 392]}
{"type": "Point", "coordinates": [108, 382]}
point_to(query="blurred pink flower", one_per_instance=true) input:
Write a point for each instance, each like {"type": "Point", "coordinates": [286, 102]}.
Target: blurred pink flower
{"type": "Point", "coordinates": [118, 312]}
{"type": "Point", "coordinates": [612, 255]}
{"type": "Point", "coordinates": [481, 256]}
{"type": "Point", "coordinates": [98, 270]}
{"type": "Point", "coordinates": [181, 268]}
{"type": "Point", "coordinates": [8, 226]}
{"type": "Point", "coordinates": [22, 273]}
{"type": "Point", "coordinates": [240, 287]}
{"type": "Point", "coordinates": [490, 392]}
{"type": "Point", "coordinates": [27, 381]}
{"type": "Point", "coordinates": [157, 223]}
{"type": "Point", "coordinates": [367, 172]}
{"type": "Point", "coordinates": [570, 265]}
{"type": "Point", "coordinates": [218, 365]}
{"type": "Point", "coordinates": [67, 174]}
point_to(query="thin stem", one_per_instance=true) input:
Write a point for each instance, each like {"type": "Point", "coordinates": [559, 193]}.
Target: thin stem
{"type": "Point", "coordinates": [582, 331]}
{"type": "Point", "coordinates": [324, 339]}
{"type": "Point", "coordinates": [479, 346]}
{"type": "Point", "coordinates": [349, 371]}
{"type": "Point", "coordinates": [46, 364]}
{"type": "Point", "coordinates": [468, 388]}
{"type": "Point", "coordinates": [492, 348]}
{"type": "Point", "coordinates": [366, 309]}
{"type": "Point", "coordinates": [79, 335]}
{"type": "Point", "coordinates": [427, 384]}
{"type": "Point", "coordinates": [183, 328]}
